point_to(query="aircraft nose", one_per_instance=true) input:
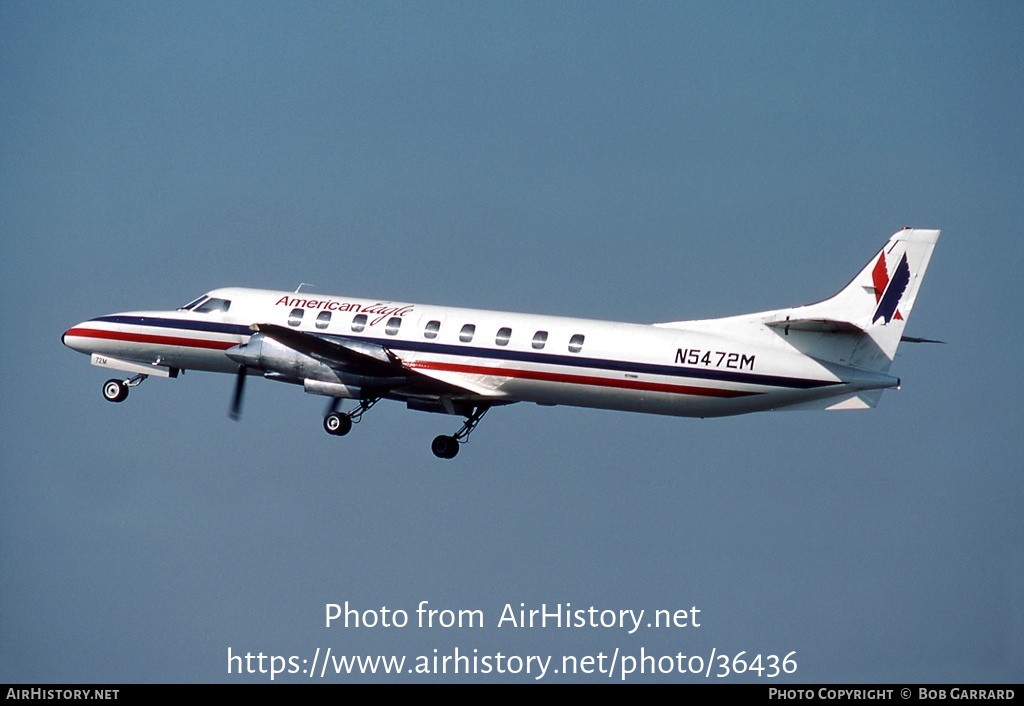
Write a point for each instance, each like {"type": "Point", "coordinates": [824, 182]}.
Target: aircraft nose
{"type": "Point", "coordinates": [74, 337]}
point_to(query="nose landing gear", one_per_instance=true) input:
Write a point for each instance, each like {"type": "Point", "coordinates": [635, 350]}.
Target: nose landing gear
{"type": "Point", "coordinates": [117, 390]}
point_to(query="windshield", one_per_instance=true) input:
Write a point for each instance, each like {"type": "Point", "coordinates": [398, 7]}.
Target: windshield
{"type": "Point", "coordinates": [194, 302]}
{"type": "Point", "coordinates": [206, 304]}
{"type": "Point", "coordinates": [213, 304]}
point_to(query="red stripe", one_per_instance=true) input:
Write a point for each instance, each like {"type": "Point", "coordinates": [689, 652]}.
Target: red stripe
{"type": "Point", "coordinates": [148, 338]}
{"type": "Point", "coordinates": [581, 379]}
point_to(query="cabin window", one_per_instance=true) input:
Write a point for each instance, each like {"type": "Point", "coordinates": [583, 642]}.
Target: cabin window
{"type": "Point", "coordinates": [539, 339]}
{"type": "Point", "coordinates": [394, 323]}
{"type": "Point", "coordinates": [504, 334]}
{"type": "Point", "coordinates": [431, 330]}
{"type": "Point", "coordinates": [576, 343]}
{"type": "Point", "coordinates": [466, 334]}
{"type": "Point", "coordinates": [213, 304]}
{"type": "Point", "coordinates": [359, 322]}
{"type": "Point", "coordinates": [323, 319]}
{"type": "Point", "coordinates": [295, 317]}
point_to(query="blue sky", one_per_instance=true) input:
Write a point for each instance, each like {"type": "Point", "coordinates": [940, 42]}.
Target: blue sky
{"type": "Point", "coordinates": [628, 161]}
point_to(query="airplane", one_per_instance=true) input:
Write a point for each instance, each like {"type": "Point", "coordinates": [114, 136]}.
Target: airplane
{"type": "Point", "coordinates": [831, 355]}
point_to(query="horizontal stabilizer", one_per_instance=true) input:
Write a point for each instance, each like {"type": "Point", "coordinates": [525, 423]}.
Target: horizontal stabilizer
{"type": "Point", "coordinates": [914, 339]}
{"type": "Point", "coordinates": [815, 325]}
{"type": "Point", "coordinates": [866, 399]}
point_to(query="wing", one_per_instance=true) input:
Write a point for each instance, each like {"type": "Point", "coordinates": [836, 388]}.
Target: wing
{"type": "Point", "coordinates": [367, 359]}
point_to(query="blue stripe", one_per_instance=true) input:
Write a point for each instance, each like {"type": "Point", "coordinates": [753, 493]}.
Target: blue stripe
{"type": "Point", "coordinates": [894, 292]}
{"type": "Point", "coordinates": [574, 361]}
{"type": "Point", "coordinates": [205, 326]}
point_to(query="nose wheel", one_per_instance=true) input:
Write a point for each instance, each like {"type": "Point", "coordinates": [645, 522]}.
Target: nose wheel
{"type": "Point", "coordinates": [117, 390]}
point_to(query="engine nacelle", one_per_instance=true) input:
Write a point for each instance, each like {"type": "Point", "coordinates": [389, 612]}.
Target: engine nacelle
{"type": "Point", "coordinates": [270, 356]}
{"type": "Point", "coordinates": [331, 389]}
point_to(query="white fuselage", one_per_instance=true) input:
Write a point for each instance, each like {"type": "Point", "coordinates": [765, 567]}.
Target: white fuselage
{"type": "Point", "coordinates": [696, 370]}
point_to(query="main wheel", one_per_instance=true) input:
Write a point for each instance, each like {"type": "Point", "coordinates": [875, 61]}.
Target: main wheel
{"type": "Point", "coordinates": [445, 446]}
{"type": "Point", "coordinates": [115, 391]}
{"type": "Point", "coordinates": [337, 424]}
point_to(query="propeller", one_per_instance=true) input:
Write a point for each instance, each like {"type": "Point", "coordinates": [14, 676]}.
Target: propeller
{"type": "Point", "coordinates": [236, 401]}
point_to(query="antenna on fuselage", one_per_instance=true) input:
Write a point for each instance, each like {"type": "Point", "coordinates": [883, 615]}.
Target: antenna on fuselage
{"type": "Point", "coordinates": [303, 284]}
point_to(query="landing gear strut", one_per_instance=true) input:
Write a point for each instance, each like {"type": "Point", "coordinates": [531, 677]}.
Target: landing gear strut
{"type": "Point", "coordinates": [340, 423]}
{"type": "Point", "coordinates": [117, 390]}
{"type": "Point", "coordinates": [447, 447]}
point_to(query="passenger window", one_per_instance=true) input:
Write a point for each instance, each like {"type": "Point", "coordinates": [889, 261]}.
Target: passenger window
{"type": "Point", "coordinates": [323, 319]}
{"type": "Point", "coordinates": [466, 334]}
{"type": "Point", "coordinates": [431, 330]}
{"type": "Point", "coordinates": [504, 334]}
{"type": "Point", "coordinates": [295, 317]}
{"type": "Point", "coordinates": [576, 343]}
{"type": "Point", "coordinates": [539, 339]}
{"type": "Point", "coordinates": [359, 322]}
{"type": "Point", "coordinates": [213, 305]}
{"type": "Point", "coordinates": [394, 323]}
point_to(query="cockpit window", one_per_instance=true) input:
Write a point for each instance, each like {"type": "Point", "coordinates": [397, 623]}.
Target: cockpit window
{"type": "Point", "coordinates": [192, 303]}
{"type": "Point", "coordinates": [213, 304]}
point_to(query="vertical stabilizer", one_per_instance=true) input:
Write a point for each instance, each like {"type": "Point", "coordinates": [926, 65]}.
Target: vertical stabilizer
{"type": "Point", "coordinates": [878, 302]}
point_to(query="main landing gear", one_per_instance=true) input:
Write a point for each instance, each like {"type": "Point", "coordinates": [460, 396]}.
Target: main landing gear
{"type": "Point", "coordinates": [447, 447]}
{"type": "Point", "coordinates": [340, 423]}
{"type": "Point", "coordinates": [444, 446]}
{"type": "Point", "coordinates": [117, 390]}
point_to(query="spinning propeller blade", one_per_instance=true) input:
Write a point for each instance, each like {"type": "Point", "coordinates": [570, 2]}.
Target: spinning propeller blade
{"type": "Point", "coordinates": [236, 401]}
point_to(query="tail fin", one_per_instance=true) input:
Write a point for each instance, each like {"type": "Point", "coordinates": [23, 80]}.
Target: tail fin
{"type": "Point", "coordinates": [874, 307]}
